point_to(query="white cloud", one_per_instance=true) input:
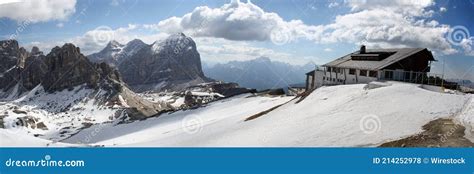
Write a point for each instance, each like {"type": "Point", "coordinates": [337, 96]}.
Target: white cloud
{"type": "Point", "coordinates": [382, 28]}
{"type": "Point", "coordinates": [234, 21]}
{"type": "Point", "coordinates": [38, 10]}
{"type": "Point", "coordinates": [333, 4]}
{"type": "Point", "coordinates": [397, 23]}
{"type": "Point", "coordinates": [407, 7]}
{"type": "Point", "coordinates": [95, 40]}
{"type": "Point", "coordinates": [60, 25]}
{"type": "Point", "coordinates": [468, 46]}
{"type": "Point", "coordinates": [9, 1]}
{"type": "Point", "coordinates": [443, 9]}
{"type": "Point", "coordinates": [218, 50]}
{"type": "Point", "coordinates": [114, 3]}
{"type": "Point", "coordinates": [328, 49]}
{"type": "Point", "coordinates": [43, 46]}
{"type": "Point", "coordinates": [219, 32]}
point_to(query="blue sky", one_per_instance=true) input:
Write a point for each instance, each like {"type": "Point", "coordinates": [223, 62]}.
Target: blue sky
{"type": "Point", "coordinates": [293, 31]}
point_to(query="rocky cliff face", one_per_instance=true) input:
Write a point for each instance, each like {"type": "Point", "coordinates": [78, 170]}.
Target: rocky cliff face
{"type": "Point", "coordinates": [64, 67]}
{"type": "Point", "coordinates": [9, 55]}
{"type": "Point", "coordinates": [34, 70]}
{"type": "Point", "coordinates": [67, 67]}
{"type": "Point", "coordinates": [12, 61]}
{"type": "Point", "coordinates": [172, 64]}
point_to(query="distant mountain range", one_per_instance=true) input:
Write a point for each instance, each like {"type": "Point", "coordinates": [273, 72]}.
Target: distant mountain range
{"type": "Point", "coordinates": [172, 64]}
{"type": "Point", "coordinates": [462, 82]}
{"type": "Point", "coordinates": [260, 73]}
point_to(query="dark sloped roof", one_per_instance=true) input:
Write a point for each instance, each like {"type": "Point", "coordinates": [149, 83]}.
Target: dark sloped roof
{"type": "Point", "coordinates": [398, 54]}
{"type": "Point", "coordinates": [310, 73]}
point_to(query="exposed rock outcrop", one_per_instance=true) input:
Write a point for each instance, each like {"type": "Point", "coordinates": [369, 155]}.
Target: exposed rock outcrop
{"type": "Point", "coordinates": [172, 64]}
{"type": "Point", "coordinates": [11, 61]}
{"type": "Point", "coordinates": [67, 67]}
{"type": "Point", "coordinates": [9, 55]}
{"type": "Point", "coordinates": [33, 72]}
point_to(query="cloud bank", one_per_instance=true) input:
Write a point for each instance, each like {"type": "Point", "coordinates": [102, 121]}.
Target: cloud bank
{"type": "Point", "coordinates": [37, 10]}
{"type": "Point", "coordinates": [396, 23]}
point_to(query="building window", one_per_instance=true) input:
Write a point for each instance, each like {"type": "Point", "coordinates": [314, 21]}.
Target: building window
{"type": "Point", "coordinates": [363, 73]}
{"type": "Point", "coordinates": [373, 73]}
{"type": "Point", "coordinates": [388, 74]}
{"type": "Point", "coordinates": [329, 69]}
{"type": "Point", "coordinates": [352, 71]}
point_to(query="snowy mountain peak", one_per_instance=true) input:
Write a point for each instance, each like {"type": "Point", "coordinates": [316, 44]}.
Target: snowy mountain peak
{"type": "Point", "coordinates": [262, 60]}
{"type": "Point", "coordinates": [114, 45]}
{"type": "Point", "coordinates": [116, 52]}
{"type": "Point", "coordinates": [177, 37]}
{"type": "Point", "coordinates": [133, 47]}
{"type": "Point", "coordinates": [177, 43]}
{"type": "Point", "coordinates": [135, 42]}
{"type": "Point", "coordinates": [156, 47]}
{"type": "Point", "coordinates": [172, 64]}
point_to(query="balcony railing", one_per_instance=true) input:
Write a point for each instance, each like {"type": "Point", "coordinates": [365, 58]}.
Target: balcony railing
{"type": "Point", "coordinates": [416, 77]}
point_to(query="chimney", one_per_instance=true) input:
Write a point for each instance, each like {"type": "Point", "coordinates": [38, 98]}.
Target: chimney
{"type": "Point", "coordinates": [362, 49]}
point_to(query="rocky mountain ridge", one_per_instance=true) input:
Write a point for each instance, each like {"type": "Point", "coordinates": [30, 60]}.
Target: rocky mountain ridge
{"type": "Point", "coordinates": [66, 68]}
{"type": "Point", "coordinates": [172, 64]}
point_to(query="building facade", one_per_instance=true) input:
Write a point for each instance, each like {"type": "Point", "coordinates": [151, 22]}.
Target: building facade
{"type": "Point", "coordinates": [366, 65]}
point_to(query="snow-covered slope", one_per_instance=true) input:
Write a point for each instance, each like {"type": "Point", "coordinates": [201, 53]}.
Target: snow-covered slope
{"type": "Point", "coordinates": [55, 116]}
{"type": "Point", "coordinates": [346, 115]}
{"type": "Point", "coordinates": [180, 125]}
{"type": "Point", "coordinates": [13, 139]}
{"type": "Point", "coordinates": [466, 118]}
